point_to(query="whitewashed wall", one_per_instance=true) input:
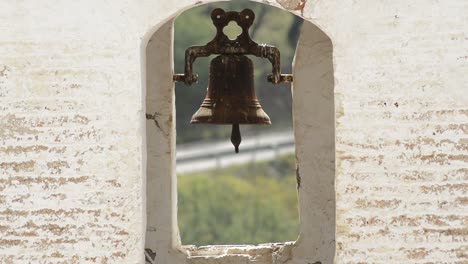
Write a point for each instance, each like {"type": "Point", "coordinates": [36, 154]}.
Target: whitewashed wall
{"type": "Point", "coordinates": [72, 128]}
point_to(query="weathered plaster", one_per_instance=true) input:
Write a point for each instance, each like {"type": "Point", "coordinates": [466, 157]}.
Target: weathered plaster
{"type": "Point", "coordinates": [73, 191]}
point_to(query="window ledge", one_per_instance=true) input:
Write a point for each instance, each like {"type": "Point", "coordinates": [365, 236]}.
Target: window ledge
{"type": "Point", "coordinates": [261, 254]}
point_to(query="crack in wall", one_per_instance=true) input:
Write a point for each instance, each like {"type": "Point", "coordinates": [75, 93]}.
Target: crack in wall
{"type": "Point", "coordinates": [154, 118]}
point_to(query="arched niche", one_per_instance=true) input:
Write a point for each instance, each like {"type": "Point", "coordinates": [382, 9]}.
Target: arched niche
{"type": "Point", "coordinates": [314, 130]}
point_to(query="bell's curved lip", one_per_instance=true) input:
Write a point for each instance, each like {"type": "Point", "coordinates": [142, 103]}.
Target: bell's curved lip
{"type": "Point", "coordinates": [230, 123]}
{"type": "Point", "coordinates": [249, 116]}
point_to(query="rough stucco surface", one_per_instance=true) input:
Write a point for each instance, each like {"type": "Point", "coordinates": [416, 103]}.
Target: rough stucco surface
{"type": "Point", "coordinates": [315, 157]}
{"type": "Point", "coordinates": [72, 155]}
{"type": "Point", "coordinates": [401, 133]}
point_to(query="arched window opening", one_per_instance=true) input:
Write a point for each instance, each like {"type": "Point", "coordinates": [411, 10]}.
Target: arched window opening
{"type": "Point", "coordinates": [313, 115]}
{"type": "Point", "coordinates": [224, 197]}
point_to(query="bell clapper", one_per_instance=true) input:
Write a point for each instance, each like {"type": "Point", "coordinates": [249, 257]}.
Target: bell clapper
{"type": "Point", "coordinates": [236, 137]}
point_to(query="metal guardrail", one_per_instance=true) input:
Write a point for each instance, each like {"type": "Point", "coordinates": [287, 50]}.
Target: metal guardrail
{"type": "Point", "coordinates": [204, 156]}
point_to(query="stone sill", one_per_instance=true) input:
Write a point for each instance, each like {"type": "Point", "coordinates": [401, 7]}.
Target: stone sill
{"type": "Point", "coordinates": [242, 254]}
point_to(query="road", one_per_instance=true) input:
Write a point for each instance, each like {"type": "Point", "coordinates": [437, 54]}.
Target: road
{"type": "Point", "coordinates": [205, 156]}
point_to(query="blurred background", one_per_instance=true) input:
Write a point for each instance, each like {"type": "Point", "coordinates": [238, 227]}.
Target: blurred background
{"type": "Point", "coordinates": [228, 198]}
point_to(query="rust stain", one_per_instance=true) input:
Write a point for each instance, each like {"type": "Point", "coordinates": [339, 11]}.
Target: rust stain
{"type": "Point", "coordinates": [295, 5]}
{"type": "Point", "coordinates": [301, 6]}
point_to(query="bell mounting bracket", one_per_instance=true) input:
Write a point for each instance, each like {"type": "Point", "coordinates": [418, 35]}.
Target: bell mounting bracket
{"type": "Point", "coordinates": [242, 45]}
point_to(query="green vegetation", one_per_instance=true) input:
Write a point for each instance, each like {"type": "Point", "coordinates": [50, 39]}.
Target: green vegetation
{"type": "Point", "coordinates": [272, 26]}
{"type": "Point", "coordinates": [241, 204]}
